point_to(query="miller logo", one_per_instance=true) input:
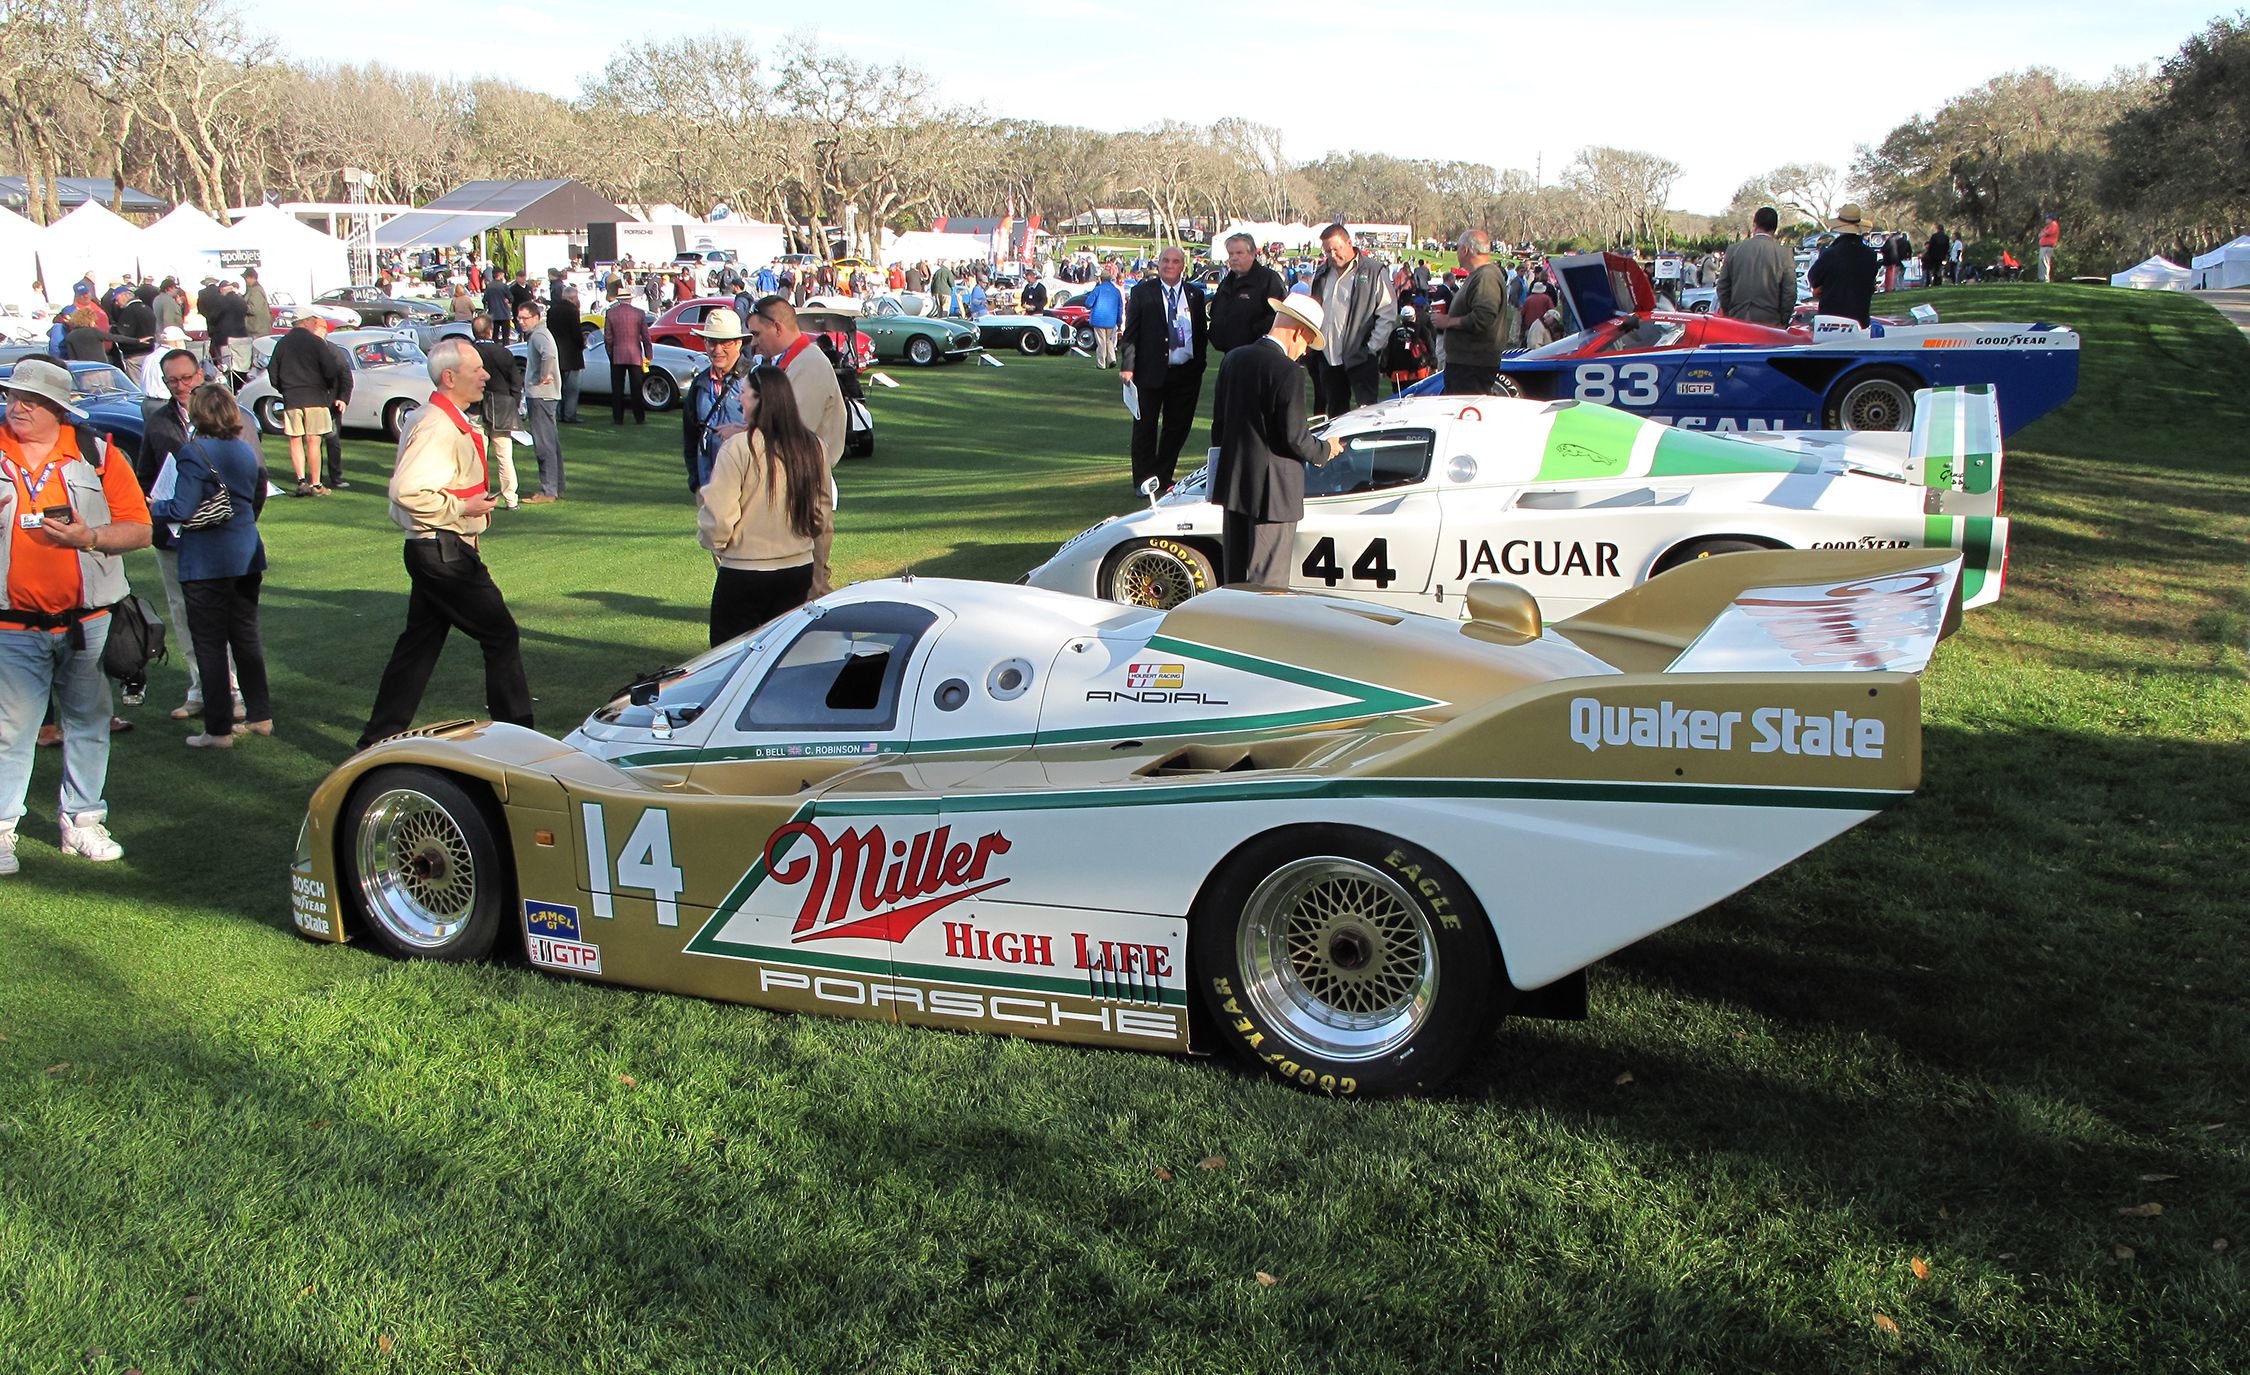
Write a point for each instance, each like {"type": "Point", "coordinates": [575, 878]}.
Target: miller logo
{"type": "Point", "coordinates": [1155, 675]}
{"type": "Point", "coordinates": [850, 889]}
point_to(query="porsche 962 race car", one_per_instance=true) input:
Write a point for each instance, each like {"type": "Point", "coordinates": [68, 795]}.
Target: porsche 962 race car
{"type": "Point", "coordinates": [1334, 840]}
{"type": "Point", "coordinates": [1573, 502]}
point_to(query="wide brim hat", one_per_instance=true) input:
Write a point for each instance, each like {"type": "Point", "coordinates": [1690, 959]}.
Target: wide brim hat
{"type": "Point", "coordinates": [1847, 216]}
{"type": "Point", "coordinates": [43, 378]}
{"type": "Point", "coordinates": [721, 325]}
{"type": "Point", "coordinates": [1306, 311]}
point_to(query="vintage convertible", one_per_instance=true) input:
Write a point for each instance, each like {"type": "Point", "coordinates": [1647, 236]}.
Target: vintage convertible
{"type": "Point", "coordinates": [1705, 371]}
{"type": "Point", "coordinates": [1027, 334]}
{"type": "Point", "coordinates": [1574, 502]}
{"type": "Point", "coordinates": [1335, 840]}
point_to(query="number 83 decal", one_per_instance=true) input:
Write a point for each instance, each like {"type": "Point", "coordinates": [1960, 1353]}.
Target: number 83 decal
{"type": "Point", "coordinates": [1632, 384]}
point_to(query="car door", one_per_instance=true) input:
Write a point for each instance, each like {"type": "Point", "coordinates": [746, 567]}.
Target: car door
{"type": "Point", "coordinates": [1371, 521]}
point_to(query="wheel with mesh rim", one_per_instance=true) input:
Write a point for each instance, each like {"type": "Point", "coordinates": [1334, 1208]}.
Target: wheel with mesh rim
{"type": "Point", "coordinates": [1873, 399]}
{"type": "Point", "coordinates": [1160, 573]}
{"type": "Point", "coordinates": [424, 865]}
{"type": "Point", "coordinates": [1345, 961]}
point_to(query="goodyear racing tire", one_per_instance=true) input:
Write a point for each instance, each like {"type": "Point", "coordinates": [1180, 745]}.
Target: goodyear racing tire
{"type": "Point", "coordinates": [1160, 573]}
{"type": "Point", "coordinates": [397, 416]}
{"type": "Point", "coordinates": [1504, 385]}
{"type": "Point", "coordinates": [1345, 961]}
{"type": "Point", "coordinates": [1031, 343]}
{"type": "Point", "coordinates": [1873, 399]}
{"type": "Point", "coordinates": [1703, 549]}
{"type": "Point", "coordinates": [658, 391]}
{"type": "Point", "coordinates": [920, 351]}
{"type": "Point", "coordinates": [423, 864]}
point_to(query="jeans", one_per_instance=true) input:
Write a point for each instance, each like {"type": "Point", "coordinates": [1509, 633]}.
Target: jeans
{"type": "Point", "coordinates": [571, 381]}
{"type": "Point", "coordinates": [34, 666]}
{"type": "Point", "coordinates": [546, 444]}
{"type": "Point", "coordinates": [223, 620]}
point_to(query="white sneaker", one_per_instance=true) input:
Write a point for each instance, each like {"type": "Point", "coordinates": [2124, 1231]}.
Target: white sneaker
{"type": "Point", "coordinates": [9, 864]}
{"type": "Point", "coordinates": [84, 835]}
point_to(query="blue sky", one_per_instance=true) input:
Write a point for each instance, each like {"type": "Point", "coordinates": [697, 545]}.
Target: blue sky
{"type": "Point", "coordinates": [1725, 89]}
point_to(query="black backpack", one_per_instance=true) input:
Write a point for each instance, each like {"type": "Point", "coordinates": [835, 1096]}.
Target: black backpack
{"type": "Point", "coordinates": [136, 640]}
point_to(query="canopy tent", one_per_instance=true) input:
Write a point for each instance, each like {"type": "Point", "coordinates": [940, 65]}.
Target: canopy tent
{"type": "Point", "coordinates": [1266, 232]}
{"type": "Point", "coordinates": [435, 228]}
{"type": "Point", "coordinates": [2157, 274]}
{"type": "Point", "coordinates": [89, 240]}
{"type": "Point", "coordinates": [2228, 265]}
{"type": "Point", "coordinates": [922, 245]}
{"type": "Point", "coordinates": [540, 205]}
{"type": "Point", "coordinates": [291, 256]}
{"type": "Point", "coordinates": [184, 244]}
{"type": "Point", "coordinates": [72, 192]}
{"type": "Point", "coordinates": [19, 259]}
{"type": "Point", "coordinates": [661, 212]}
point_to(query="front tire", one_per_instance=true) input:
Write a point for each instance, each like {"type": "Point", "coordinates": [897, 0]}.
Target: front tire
{"type": "Point", "coordinates": [397, 416]}
{"type": "Point", "coordinates": [1345, 961]}
{"type": "Point", "coordinates": [920, 351]}
{"type": "Point", "coordinates": [1159, 573]}
{"type": "Point", "coordinates": [1873, 399]}
{"type": "Point", "coordinates": [268, 413]}
{"type": "Point", "coordinates": [1031, 343]}
{"type": "Point", "coordinates": [658, 390]}
{"type": "Point", "coordinates": [423, 862]}
{"type": "Point", "coordinates": [1086, 337]}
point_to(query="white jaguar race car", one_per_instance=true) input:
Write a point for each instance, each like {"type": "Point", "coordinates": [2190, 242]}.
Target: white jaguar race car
{"type": "Point", "coordinates": [1573, 502]}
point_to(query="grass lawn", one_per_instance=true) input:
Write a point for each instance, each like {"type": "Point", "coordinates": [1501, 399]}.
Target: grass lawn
{"type": "Point", "coordinates": [1966, 1090]}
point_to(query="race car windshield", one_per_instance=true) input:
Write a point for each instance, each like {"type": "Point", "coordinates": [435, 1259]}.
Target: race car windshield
{"type": "Point", "coordinates": [1561, 348]}
{"type": "Point", "coordinates": [1374, 461]}
{"type": "Point", "coordinates": [681, 693]}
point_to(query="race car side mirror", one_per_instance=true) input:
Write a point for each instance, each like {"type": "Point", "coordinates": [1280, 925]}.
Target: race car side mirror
{"type": "Point", "coordinates": [1149, 488]}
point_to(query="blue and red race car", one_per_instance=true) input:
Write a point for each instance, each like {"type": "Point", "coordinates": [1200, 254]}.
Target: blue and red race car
{"type": "Point", "coordinates": [1708, 372]}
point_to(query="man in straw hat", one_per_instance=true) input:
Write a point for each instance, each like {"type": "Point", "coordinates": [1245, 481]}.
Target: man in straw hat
{"type": "Point", "coordinates": [1258, 474]}
{"type": "Point", "coordinates": [1843, 276]}
{"type": "Point", "coordinates": [71, 515]}
{"type": "Point", "coordinates": [714, 399]}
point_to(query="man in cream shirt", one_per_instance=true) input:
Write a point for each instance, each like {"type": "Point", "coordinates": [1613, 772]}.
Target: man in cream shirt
{"type": "Point", "coordinates": [438, 498]}
{"type": "Point", "coordinates": [812, 379]}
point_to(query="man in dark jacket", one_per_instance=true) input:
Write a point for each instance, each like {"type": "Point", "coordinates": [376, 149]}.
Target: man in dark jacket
{"type": "Point", "coordinates": [1355, 295]}
{"type": "Point", "coordinates": [1258, 479]}
{"type": "Point", "coordinates": [503, 390]}
{"type": "Point", "coordinates": [1843, 276]}
{"type": "Point", "coordinates": [497, 309]}
{"type": "Point", "coordinates": [313, 380]}
{"type": "Point", "coordinates": [1472, 321]}
{"type": "Point", "coordinates": [1241, 307]}
{"type": "Point", "coordinates": [228, 321]}
{"type": "Point", "coordinates": [570, 348]}
{"type": "Point", "coordinates": [136, 319]}
{"type": "Point", "coordinates": [1160, 355]}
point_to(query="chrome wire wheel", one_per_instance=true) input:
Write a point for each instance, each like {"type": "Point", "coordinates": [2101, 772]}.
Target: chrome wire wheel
{"type": "Point", "coordinates": [417, 872]}
{"type": "Point", "coordinates": [1338, 957]}
{"type": "Point", "coordinates": [1155, 576]}
{"type": "Point", "coordinates": [1877, 403]}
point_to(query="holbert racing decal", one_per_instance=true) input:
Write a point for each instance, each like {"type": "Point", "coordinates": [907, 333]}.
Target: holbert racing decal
{"type": "Point", "coordinates": [1155, 684]}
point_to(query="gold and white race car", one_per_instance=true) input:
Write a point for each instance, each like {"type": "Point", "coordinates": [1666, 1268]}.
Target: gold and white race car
{"type": "Point", "coordinates": [1574, 502]}
{"type": "Point", "coordinates": [1334, 839]}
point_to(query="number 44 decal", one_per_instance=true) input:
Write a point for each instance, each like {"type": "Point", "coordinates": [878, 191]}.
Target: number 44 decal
{"type": "Point", "coordinates": [1373, 564]}
{"type": "Point", "coordinates": [645, 863]}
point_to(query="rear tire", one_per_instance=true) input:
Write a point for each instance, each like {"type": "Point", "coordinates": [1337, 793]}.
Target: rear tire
{"type": "Point", "coordinates": [1031, 343]}
{"type": "Point", "coordinates": [268, 413]}
{"type": "Point", "coordinates": [1159, 573]}
{"type": "Point", "coordinates": [1086, 337]}
{"type": "Point", "coordinates": [1873, 399]}
{"type": "Point", "coordinates": [424, 865]}
{"type": "Point", "coordinates": [658, 390]}
{"type": "Point", "coordinates": [1703, 549]}
{"type": "Point", "coordinates": [1345, 961]}
{"type": "Point", "coordinates": [397, 416]}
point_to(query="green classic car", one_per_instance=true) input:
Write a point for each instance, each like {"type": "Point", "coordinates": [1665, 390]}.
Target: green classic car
{"type": "Point", "coordinates": [918, 339]}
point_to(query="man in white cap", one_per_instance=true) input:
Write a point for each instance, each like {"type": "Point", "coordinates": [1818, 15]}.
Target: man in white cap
{"type": "Point", "coordinates": [714, 399]}
{"type": "Point", "coordinates": [153, 385]}
{"type": "Point", "coordinates": [1258, 478]}
{"type": "Point", "coordinates": [71, 516]}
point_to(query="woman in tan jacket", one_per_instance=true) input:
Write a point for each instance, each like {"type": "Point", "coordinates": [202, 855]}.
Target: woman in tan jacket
{"type": "Point", "coordinates": [763, 509]}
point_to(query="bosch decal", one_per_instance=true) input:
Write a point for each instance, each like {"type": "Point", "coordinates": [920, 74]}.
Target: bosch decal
{"type": "Point", "coordinates": [864, 885]}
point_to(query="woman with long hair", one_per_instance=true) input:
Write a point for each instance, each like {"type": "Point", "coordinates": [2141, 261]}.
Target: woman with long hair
{"type": "Point", "coordinates": [763, 508]}
{"type": "Point", "coordinates": [223, 566]}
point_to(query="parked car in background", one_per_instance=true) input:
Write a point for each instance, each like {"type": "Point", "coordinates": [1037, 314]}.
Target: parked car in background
{"type": "Point", "coordinates": [1031, 335]}
{"type": "Point", "coordinates": [918, 339]}
{"type": "Point", "coordinates": [379, 311]}
{"type": "Point", "coordinates": [390, 381]}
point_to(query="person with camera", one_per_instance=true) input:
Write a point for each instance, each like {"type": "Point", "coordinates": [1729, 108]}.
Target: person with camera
{"type": "Point", "coordinates": [218, 490]}
{"type": "Point", "coordinates": [71, 515]}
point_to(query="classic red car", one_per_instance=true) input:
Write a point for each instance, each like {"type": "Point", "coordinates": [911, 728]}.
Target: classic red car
{"type": "Point", "coordinates": [678, 325]}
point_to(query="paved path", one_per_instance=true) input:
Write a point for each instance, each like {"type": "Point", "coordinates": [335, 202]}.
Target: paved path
{"type": "Point", "coordinates": [2235, 305]}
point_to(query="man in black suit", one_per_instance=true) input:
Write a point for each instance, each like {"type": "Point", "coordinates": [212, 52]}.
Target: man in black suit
{"type": "Point", "coordinates": [1259, 477]}
{"type": "Point", "coordinates": [1160, 355]}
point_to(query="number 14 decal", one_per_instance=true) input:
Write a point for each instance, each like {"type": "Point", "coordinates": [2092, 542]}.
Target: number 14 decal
{"type": "Point", "coordinates": [645, 863]}
{"type": "Point", "coordinates": [1373, 564]}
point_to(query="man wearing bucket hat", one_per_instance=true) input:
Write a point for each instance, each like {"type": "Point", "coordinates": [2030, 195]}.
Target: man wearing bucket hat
{"type": "Point", "coordinates": [1258, 473]}
{"type": "Point", "coordinates": [71, 516]}
{"type": "Point", "coordinates": [713, 404]}
{"type": "Point", "coordinates": [1843, 276]}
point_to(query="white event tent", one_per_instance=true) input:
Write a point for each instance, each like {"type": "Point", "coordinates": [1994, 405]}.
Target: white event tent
{"type": "Point", "coordinates": [184, 244]}
{"type": "Point", "coordinates": [2228, 265]}
{"type": "Point", "coordinates": [91, 239]}
{"type": "Point", "coordinates": [291, 256]}
{"type": "Point", "coordinates": [1267, 232]}
{"type": "Point", "coordinates": [2157, 274]}
{"type": "Point", "coordinates": [19, 248]}
{"type": "Point", "coordinates": [922, 245]}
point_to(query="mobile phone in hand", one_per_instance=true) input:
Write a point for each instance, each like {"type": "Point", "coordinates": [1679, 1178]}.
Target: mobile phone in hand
{"type": "Point", "coordinates": [60, 515]}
